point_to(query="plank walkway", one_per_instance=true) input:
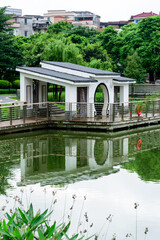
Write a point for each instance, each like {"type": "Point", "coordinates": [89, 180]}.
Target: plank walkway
{"type": "Point", "coordinates": [94, 124]}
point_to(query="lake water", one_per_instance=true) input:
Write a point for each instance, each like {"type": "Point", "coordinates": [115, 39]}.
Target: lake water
{"type": "Point", "coordinates": [80, 174]}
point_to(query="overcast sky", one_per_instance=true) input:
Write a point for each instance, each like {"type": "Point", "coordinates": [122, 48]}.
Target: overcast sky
{"type": "Point", "coordinates": [109, 10]}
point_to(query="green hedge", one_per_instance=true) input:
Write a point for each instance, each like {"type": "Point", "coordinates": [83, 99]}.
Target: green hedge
{"type": "Point", "coordinates": [16, 84]}
{"type": "Point", "coordinates": [7, 91]}
{"type": "Point", "coordinates": [4, 84]}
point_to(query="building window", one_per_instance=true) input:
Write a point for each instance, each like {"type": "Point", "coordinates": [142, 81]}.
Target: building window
{"type": "Point", "coordinates": [15, 19]}
{"type": "Point", "coordinates": [49, 18]}
{"type": "Point", "coordinates": [25, 20]}
{"type": "Point", "coordinates": [25, 33]}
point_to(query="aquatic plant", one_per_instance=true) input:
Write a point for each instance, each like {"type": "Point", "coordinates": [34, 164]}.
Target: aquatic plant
{"type": "Point", "coordinates": [27, 225]}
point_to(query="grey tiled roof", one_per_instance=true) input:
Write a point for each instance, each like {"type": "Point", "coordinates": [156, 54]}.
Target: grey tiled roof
{"type": "Point", "coordinates": [80, 68]}
{"type": "Point", "coordinates": [123, 79]}
{"type": "Point", "coordinates": [52, 73]}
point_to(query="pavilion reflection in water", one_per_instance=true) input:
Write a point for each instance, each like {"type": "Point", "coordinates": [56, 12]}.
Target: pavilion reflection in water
{"type": "Point", "coordinates": [56, 160]}
{"type": "Point", "coordinates": [52, 157]}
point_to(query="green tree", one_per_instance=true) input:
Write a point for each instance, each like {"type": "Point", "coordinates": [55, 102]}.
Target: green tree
{"type": "Point", "coordinates": [72, 54]}
{"type": "Point", "coordinates": [94, 50]}
{"type": "Point", "coordinates": [109, 42]}
{"type": "Point", "coordinates": [149, 44]}
{"type": "Point", "coordinates": [34, 47]}
{"type": "Point", "coordinates": [53, 51]}
{"type": "Point", "coordinates": [61, 26]}
{"type": "Point", "coordinates": [99, 64]}
{"type": "Point", "coordinates": [144, 38]}
{"type": "Point", "coordinates": [134, 68]}
{"type": "Point", "coordinates": [90, 34]}
{"type": "Point", "coordinates": [126, 39]}
{"type": "Point", "coordinates": [9, 52]}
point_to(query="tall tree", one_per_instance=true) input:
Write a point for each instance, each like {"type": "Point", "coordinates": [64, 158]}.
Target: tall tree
{"type": "Point", "coordinates": [134, 68]}
{"type": "Point", "coordinates": [61, 26]}
{"type": "Point", "coordinates": [109, 42]}
{"type": "Point", "coordinates": [144, 38]}
{"type": "Point", "coordinates": [149, 44]}
{"type": "Point", "coordinates": [9, 54]}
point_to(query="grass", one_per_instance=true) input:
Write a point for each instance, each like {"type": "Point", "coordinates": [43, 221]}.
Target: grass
{"type": "Point", "coordinates": [52, 99]}
{"type": "Point", "coordinates": [15, 98]}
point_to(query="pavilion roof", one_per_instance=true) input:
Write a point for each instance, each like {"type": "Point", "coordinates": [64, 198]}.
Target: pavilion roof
{"type": "Point", "coordinates": [56, 74]}
{"type": "Point", "coordinates": [81, 68]}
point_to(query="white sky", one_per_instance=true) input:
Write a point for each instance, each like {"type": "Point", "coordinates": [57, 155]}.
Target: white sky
{"type": "Point", "coordinates": [109, 10]}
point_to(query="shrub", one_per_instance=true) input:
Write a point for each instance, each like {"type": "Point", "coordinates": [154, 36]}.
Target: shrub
{"type": "Point", "coordinates": [16, 84]}
{"type": "Point", "coordinates": [7, 91]}
{"type": "Point", "coordinates": [4, 84]}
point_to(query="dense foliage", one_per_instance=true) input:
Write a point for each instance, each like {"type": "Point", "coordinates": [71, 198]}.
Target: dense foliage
{"type": "Point", "coordinates": [146, 165]}
{"type": "Point", "coordinates": [10, 54]}
{"type": "Point", "coordinates": [134, 51]}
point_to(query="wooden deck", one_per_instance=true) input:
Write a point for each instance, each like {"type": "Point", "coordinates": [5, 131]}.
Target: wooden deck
{"type": "Point", "coordinates": [23, 117]}
{"type": "Point", "coordinates": [96, 124]}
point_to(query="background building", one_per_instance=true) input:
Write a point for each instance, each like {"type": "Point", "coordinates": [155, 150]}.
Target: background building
{"type": "Point", "coordinates": [83, 18]}
{"type": "Point", "coordinates": [22, 25]}
{"type": "Point", "coordinates": [13, 11]}
{"type": "Point", "coordinates": [27, 24]}
{"type": "Point", "coordinates": [116, 24]}
{"type": "Point", "coordinates": [138, 17]}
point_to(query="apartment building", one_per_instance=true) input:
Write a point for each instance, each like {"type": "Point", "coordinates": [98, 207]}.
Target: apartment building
{"type": "Point", "coordinates": [82, 18]}
{"type": "Point", "coordinates": [13, 11]}
{"type": "Point", "coordinates": [22, 25]}
{"type": "Point", "coordinates": [27, 24]}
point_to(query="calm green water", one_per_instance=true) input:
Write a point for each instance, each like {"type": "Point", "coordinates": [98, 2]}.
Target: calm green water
{"type": "Point", "coordinates": [107, 175]}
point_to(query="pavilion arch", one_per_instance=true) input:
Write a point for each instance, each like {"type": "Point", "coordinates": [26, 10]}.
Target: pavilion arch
{"type": "Point", "coordinates": [100, 107]}
{"type": "Point", "coordinates": [101, 152]}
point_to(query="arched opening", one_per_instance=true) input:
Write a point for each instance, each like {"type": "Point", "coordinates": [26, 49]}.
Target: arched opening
{"type": "Point", "coordinates": [101, 100]}
{"type": "Point", "coordinates": [101, 151]}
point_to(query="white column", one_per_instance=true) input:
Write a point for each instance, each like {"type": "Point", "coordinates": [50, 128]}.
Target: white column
{"type": "Point", "coordinates": [71, 97]}
{"type": "Point", "coordinates": [26, 160]}
{"type": "Point", "coordinates": [70, 154]}
{"type": "Point", "coordinates": [125, 146]}
{"type": "Point", "coordinates": [24, 82]}
{"type": "Point", "coordinates": [124, 93]}
{"type": "Point", "coordinates": [90, 98]}
{"type": "Point", "coordinates": [41, 97]}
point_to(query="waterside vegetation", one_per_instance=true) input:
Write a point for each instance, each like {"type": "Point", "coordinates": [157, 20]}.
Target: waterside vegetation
{"type": "Point", "coordinates": [27, 225]}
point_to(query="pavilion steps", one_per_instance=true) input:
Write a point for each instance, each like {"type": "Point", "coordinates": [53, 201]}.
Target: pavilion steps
{"type": "Point", "coordinates": [54, 109]}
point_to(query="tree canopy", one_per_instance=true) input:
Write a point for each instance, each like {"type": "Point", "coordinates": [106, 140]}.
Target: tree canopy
{"type": "Point", "coordinates": [134, 51]}
{"type": "Point", "coordinates": [9, 51]}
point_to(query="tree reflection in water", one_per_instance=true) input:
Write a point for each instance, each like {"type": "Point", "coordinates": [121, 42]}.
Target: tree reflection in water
{"type": "Point", "coordinates": [146, 165]}
{"type": "Point", "coordinates": [53, 157]}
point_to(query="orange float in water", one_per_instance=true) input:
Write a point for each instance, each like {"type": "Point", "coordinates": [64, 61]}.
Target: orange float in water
{"type": "Point", "coordinates": [139, 144]}
{"type": "Point", "coordinates": [139, 110]}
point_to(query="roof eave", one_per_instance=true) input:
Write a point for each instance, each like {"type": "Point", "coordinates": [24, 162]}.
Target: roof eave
{"type": "Point", "coordinates": [29, 72]}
